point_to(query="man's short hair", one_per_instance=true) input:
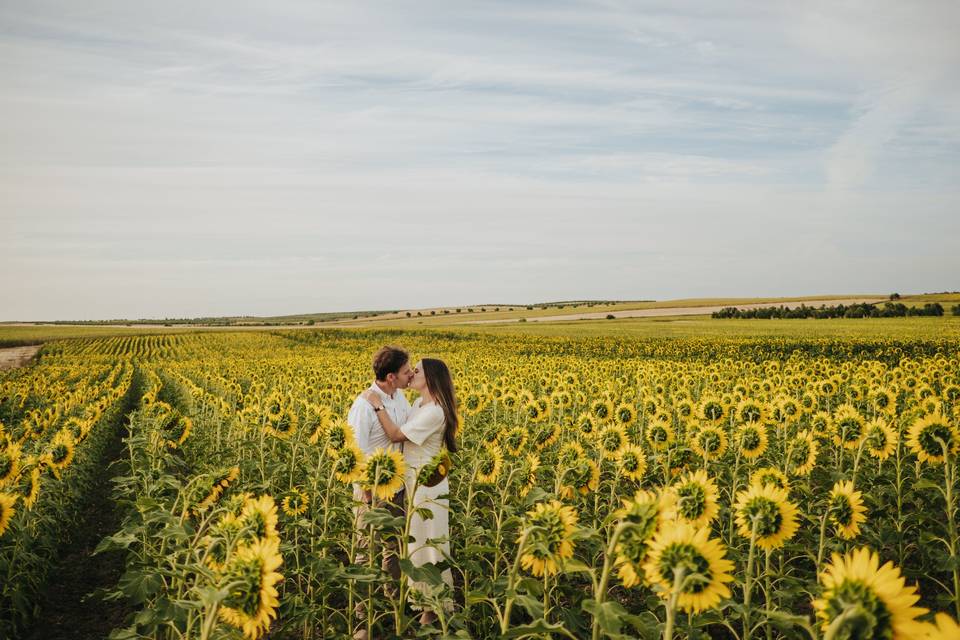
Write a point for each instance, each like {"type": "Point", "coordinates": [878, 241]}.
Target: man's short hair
{"type": "Point", "coordinates": [389, 360]}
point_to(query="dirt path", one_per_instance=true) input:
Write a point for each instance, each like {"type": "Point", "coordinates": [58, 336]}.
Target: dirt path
{"type": "Point", "coordinates": [70, 609]}
{"type": "Point", "coordinates": [674, 311]}
{"type": "Point", "coordinates": [13, 357]}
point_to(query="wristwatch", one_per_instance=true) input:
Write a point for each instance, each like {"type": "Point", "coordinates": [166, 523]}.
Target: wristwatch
{"type": "Point", "coordinates": [380, 408]}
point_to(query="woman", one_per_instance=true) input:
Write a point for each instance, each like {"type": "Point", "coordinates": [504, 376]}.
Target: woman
{"type": "Point", "coordinates": [432, 424]}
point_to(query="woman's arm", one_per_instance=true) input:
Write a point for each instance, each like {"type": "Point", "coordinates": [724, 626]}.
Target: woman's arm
{"type": "Point", "coordinates": [386, 422]}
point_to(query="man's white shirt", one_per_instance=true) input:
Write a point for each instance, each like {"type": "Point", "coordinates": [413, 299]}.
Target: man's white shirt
{"type": "Point", "coordinates": [367, 431]}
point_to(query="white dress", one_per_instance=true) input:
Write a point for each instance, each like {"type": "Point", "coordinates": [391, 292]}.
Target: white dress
{"type": "Point", "coordinates": [424, 432]}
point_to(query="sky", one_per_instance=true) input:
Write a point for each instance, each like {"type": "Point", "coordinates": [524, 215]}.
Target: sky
{"type": "Point", "coordinates": [185, 159]}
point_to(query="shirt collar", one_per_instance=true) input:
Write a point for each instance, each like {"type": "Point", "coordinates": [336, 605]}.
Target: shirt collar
{"type": "Point", "coordinates": [382, 393]}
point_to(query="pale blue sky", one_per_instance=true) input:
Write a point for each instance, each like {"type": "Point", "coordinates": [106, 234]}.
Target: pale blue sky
{"type": "Point", "coordinates": [220, 158]}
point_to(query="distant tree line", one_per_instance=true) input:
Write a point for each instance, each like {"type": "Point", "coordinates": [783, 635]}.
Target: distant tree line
{"type": "Point", "coordinates": [860, 310]}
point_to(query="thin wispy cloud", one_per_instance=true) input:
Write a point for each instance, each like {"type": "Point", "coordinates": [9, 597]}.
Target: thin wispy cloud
{"type": "Point", "coordinates": [168, 159]}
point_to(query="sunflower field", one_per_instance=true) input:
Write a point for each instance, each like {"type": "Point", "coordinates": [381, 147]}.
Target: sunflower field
{"type": "Point", "coordinates": [605, 487]}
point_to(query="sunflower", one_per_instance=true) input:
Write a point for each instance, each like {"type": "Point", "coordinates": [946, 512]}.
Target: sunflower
{"type": "Point", "coordinates": [586, 424]}
{"type": "Point", "coordinates": [30, 484]}
{"type": "Point", "coordinates": [711, 409]}
{"type": "Point", "coordinates": [775, 516]}
{"type": "Point", "coordinates": [284, 425]}
{"type": "Point", "coordinates": [709, 442]}
{"type": "Point", "coordinates": [601, 409]}
{"type": "Point", "coordinates": [528, 470]}
{"type": "Point", "coordinates": [611, 440]}
{"type": "Point", "coordinates": [509, 400]}
{"type": "Point", "coordinates": [295, 503]}
{"type": "Point", "coordinates": [550, 527]}
{"type": "Point", "coordinates": [624, 414]}
{"type": "Point", "coordinates": [751, 411]}
{"type": "Point", "coordinates": [695, 499]}
{"type": "Point", "coordinates": [943, 628]}
{"type": "Point", "coordinates": [684, 549]}
{"type": "Point", "coordinates": [334, 436]}
{"type": "Point", "coordinates": [583, 477]}
{"type": "Point", "coordinates": [644, 512]}
{"type": "Point", "coordinates": [258, 517]}
{"type": "Point", "coordinates": [383, 473]}
{"type": "Point", "coordinates": [883, 400]}
{"type": "Point", "coordinates": [861, 599]}
{"type": "Point", "coordinates": [802, 453]}
{"type": "Point", "coordinates": [569, 454]}
{"type": "Point", "coordinates": [545, 434]}
{"type": "Point", "coordinates": [8, 503]}
{"type": "Point", "coordinates": [273, 406]}
{"type": "Point", "coordinates": [175, 428]}
{"type": "Point", "coordinates": [253, 599]}
{"type": "Point", "coordinates": [849, 427]}
{"type": "Point", "coordinates": [770, 476]}
{"type": "Point", "coordinates": [489, 460]}
{"type": "Point", "coordinates": [932, 437]}
{"type": "Point", "coordinates": [9, 463]}
{"type": "Point", "coordinates": [752, 440]}
{"type": "Point", "coordinates": [60, 453]}
{"type": "Point", "coordinates": [220, 483]}
{"type": "Point", "coordinates": [660, 435]}
{"type": "Point", "coordinates": [534, 411]}
{"type": "Point", "coordinates": [514, 440]}
{"type": "Point", "coordinates": [473, 403]}
{"type": "Point", "coordinates": [880, 440]}
{"type": "Point", "coordinates": [632, 463]}
{"type": "Point", "coordinates": [846, 509]}
{"type": "Point", "coordinates": [348, 463]}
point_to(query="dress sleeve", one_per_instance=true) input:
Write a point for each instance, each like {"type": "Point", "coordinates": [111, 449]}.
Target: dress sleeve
{"type": "Point", "coordinates": [423, 424]}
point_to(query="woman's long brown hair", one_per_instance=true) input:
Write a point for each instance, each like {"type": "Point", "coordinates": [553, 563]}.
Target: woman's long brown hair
{"type": "Point", "coordinates": [440, 385]}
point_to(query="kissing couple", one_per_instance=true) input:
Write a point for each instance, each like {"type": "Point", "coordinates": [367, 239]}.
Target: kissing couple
{"type": "Point", "coordinates": [382, 418]}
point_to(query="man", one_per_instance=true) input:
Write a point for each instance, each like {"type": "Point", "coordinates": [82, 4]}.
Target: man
{"type": "Point", "coordinates": [392, 374]}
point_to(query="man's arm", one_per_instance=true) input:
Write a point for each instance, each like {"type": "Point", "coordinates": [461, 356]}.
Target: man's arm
{"type": "Point", "coordinates": [362, 419]}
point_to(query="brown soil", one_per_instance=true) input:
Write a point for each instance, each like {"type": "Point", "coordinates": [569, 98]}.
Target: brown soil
{"type": "Point", "coordinates": [13, 357]}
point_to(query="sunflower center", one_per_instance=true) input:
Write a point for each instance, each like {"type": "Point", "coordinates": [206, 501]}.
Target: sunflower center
{"type": "Point", "coordinates": [383, 470]}
{"type": "Point", "coordinates": [751, 413]}
{"type": "Point", "coordinates": [876, 439]}
{"type": "Point", "coordinates": [766, 513]}
{"type": "Point", "coordinates": [750, 439]}
{"type": "Point", "coordinates": [710, 441]}
{"type": "Point", "coordinates": [246, 598]}
{"type": "Point", "coordinates": [487, 465]}
{"type": "Point", "coordinates": [336, 438]}
{"type": "Point", "coordinates": [630, 463]}
{"type": "Point", "coordinates": [799, 453]}
{"type": "Point", "coordinates": [611, 440]}
{"type": "Point", "coordinates": [546, 542]}
{"type": "Point", "coordinates": [59, 453]}
{"type": "Point", "coordinates": [693, 500]}
{"type": "Point", "coordinates": [841, 510]}
{"type": "Point", "coordinates": [934, 437]}
{"type": "Point", "coordinates": [658, 434]}
{"type": "Point", "coordinates": [850, 429]}
{"type": "Point", "coordinates": [347, 461]}
{"type": "Point", "coordinates": [685, 556]}
{"type": "Point", "coordinates": [713, 410]}
{"type": "Point", "coordinates": [580, 474]}
{"type": "Point", "coordinates": [865, 617]}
